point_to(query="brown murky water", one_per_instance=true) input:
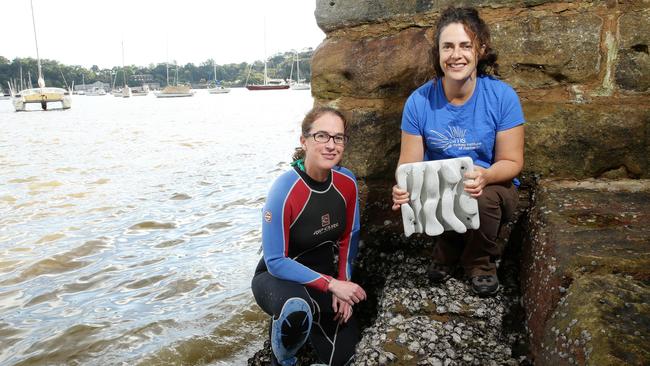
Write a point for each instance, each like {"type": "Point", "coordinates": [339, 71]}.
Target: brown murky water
{"type": "Point", "coordinates": [129, 228]}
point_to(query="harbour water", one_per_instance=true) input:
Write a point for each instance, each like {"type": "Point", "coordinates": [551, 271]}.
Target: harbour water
{"type": "Point", "coordinates": [130, 228]}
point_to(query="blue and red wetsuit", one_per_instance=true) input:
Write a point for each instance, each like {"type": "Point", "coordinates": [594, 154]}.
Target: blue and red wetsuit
{"type": "Point", "coordinates": [305, 221]}
{"type": "Point", "coordinates": [306, 225]}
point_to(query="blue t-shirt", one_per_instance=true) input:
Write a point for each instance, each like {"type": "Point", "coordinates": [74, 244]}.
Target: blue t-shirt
{"type": "Point", "coordinates": [451, 131]}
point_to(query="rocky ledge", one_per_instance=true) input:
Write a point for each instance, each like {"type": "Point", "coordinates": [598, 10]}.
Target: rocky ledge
{"type": "Point", "coordinates": [586, 287]}
{"type": "Point", "coordinates": [420, 323]}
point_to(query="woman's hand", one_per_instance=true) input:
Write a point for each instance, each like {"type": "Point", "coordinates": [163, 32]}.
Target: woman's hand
{"type": "Point", "coordinates": [475, 181]}
{"type": "Point", "coordinates": [411, 151]}
{"type": "Point", "coordinates": [342, 309]}
{"type": "Point", "coordinates": [347, 291]}
{"type": "Point", "coordinates": [400, 197]}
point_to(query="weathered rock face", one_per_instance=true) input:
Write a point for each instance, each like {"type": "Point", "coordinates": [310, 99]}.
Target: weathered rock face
{"type": "Point", "coordinates": [633, 68]}
{"type": "Point", "coordinates": [333, 14]}
{"type": "Point", "coordinates": [586, 289]}
{"type": "Point", "coordinates": [590, 140]}
{"type": "Point", "coordinates": [369, 79]}
{"type": "Point", "coordinates": [549, 49]}
{"type": "Point", "coordinates": [582, 71]}
{"type": "Point", "coordinates": [374, 68]}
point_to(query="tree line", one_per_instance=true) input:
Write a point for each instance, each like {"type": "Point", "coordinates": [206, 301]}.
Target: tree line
{"type": "Point", "coordinates": [279, 66]}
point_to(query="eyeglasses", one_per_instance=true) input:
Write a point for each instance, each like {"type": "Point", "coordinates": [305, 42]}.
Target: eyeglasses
{"type": "Point", "coordinates": [324, 137]}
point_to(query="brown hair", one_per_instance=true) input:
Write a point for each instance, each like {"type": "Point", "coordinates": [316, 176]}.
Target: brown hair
{"type": "Point", "coordinates": [477, 30]}
{"type": "Point", "coordinates": [307, 122]}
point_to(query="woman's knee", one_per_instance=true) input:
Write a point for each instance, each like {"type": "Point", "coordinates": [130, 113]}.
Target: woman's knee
{"type": "Point", "coordinates": [271, 293]}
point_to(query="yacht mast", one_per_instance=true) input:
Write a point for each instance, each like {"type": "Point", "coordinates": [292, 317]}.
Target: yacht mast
{"type": "Point", "coordinates": [298, 66]}
{"type": "Point", "coordinates": [176, 80]}
{"type": "Point", "coordinates": [41, 81]}
{"type": "Point", "coordinates": [22, 80]}
{"type": "Point", "coordinates": [291, 72]}
{"type": "Point", "coordinates": [114, 80]}
{"type": "Point", "coordinates": [167, 60]}
{"type": "Point", "coordinates": [266, 79]}
{"type": "Point", "coordinates": [123, 68]}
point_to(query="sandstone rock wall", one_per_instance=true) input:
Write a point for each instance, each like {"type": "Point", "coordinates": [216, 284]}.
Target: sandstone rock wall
{"type": "Point", "coordinates": [582, 72]}
{"type": "Point", "coordinates": [581, 69]}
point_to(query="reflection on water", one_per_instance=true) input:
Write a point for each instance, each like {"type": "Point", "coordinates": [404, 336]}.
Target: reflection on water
{"type": "Point", "coordinates": [129, 228]}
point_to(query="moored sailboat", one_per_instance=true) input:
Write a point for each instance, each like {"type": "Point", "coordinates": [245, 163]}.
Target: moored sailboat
{"type": "Point", "coordinates": [126, 91]}
{"type": "Point", "coordinates": [269, 84]}
{"type": "Point", "coordinates": [42, 95]}
{"type": "Point", "coordinates": [217, 89]}
{"type": "Point", "coordinates": [174, 91]}
{"type": "Point", "coordinates": [299, 84]}
{"type": "Point", "coordinates": [140, 92]}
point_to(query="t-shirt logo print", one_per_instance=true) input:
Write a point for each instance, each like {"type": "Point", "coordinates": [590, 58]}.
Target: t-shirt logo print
{"type": "Point", "coordinates": [267, 216]}
{"type": "Point", "coordinates": [453, 137]}
{"type": "Point", "coordinates": [325, 220]}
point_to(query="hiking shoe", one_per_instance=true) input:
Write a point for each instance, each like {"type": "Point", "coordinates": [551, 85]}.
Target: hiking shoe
{"type": "Point", "coordinates": [485, 285]}
{"type": "Point", "coordinates": [439, 273]}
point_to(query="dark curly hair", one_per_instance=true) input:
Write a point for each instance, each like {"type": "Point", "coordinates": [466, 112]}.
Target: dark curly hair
{"type": "Point", "coordinates": [477, 30]}
{"type": "Point", "coordinates": [309, 120]}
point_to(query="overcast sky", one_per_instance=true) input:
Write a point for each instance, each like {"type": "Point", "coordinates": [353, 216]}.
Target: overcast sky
{"type": "Point", "coordinates": [90, 32]}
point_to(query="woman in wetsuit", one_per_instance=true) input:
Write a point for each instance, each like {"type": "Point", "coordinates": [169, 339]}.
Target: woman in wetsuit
{"type": "Point", "coordinates": [310, 223]}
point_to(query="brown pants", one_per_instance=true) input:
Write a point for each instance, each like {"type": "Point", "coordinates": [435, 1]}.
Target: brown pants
{"type": "Point", "coordinates": [477, 250]}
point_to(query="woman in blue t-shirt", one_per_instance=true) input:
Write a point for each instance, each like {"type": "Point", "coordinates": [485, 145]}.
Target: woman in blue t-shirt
{"type": "Point", "coordinates": [466, 111]}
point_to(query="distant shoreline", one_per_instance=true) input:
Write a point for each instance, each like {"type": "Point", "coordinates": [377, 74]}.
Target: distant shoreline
{"type": "Point", "coordinates": [279, 66]}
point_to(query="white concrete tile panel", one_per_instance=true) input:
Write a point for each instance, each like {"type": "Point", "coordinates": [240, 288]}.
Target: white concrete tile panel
{"type": "Point", "coordinates": [438, 201]}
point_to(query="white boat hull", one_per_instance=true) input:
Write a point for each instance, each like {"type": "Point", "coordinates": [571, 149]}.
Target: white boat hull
{"type": "Point", "coordinates": [96, 93]}
{"type": "Point", "coordinates": [43, 96]}
{"type": "Point", "coordinates": [122, 93]}
{"type": "Point", "coordinates": [173, 95]}
{"type": "Point", "coordinates": [300, 87]}
{"type": "Point", "coordinates": [219, 90]}
{"type": "Point", "coordinates": [175, 91]}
